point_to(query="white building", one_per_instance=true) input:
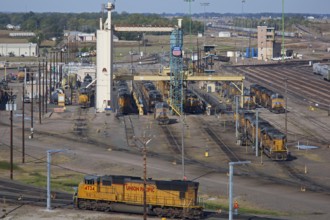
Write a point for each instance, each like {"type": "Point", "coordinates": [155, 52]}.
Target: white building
{"type": "Point", "coordinates": [26, 49]}
{"type": "Point", "coordinates": [224, 34]}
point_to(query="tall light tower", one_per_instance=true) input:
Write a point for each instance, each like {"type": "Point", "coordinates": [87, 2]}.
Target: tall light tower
{"type": "Point", "coordinates": [190, 21]}
{"type": "Point", "coordinates": [282, 30]}
{"type": "Point", "coordinates": [205, 4]}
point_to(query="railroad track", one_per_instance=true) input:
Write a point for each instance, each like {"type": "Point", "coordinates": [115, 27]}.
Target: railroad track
{"type": "Point", "coordinates": [18, 194]}
{"type": "Point", "coordinates": [80, 122]}
{"type": "Point", "coordinates": [207, 127]}
{"type": "Point", "coordinates": [129, 130]}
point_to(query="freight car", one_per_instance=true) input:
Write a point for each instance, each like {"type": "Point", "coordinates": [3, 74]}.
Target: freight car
{"type": "Point", "coordinates": [161, 113]}
{"type": "Point", "coordinates": [320, 69]}
{"type": "Point", "coordinates": [173, 199]}
{"type": "Point", "coordinates": [272, 142]}
{"type": "Point", "coordinates": [268, 99]}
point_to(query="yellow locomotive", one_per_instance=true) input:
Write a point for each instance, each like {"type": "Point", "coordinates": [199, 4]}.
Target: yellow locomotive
{"type": "Point", "coordinates": [271, 141]}
{"type": "Point", "coordinates": [174, 198]}
{"type": "Point", "coordinates": [267, 98]}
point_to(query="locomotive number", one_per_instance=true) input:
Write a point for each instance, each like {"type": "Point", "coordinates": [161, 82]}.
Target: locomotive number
{"type": "Point", "coordinates": [90, 188]}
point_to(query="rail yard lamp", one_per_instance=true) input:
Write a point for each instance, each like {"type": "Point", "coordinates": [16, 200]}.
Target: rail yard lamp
{"type": "Point", "coordinates": [49, 160]}
{"type": "Point", "coordinates": [231, 171]}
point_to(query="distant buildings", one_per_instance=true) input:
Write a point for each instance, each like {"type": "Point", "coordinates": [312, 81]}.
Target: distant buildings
{"type": "Point", "coordinates": [19, 49]}
{"type": "Point", "coordinates": [13, 27]}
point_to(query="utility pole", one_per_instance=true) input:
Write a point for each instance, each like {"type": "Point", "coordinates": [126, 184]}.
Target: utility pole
{"type": "Point", "coordinates": [43, 86]}
{"type": "Point", "coordinates": [46, 86]}
{"type": "Point", "coordinates": [11, 106]}
{"type": "Point", "coordinates": [39, 92]}
{"type": "Point", "coordinates": [23, 125]}
{"type": "Point", "coordinates": [11, 134]}
{"type": "Point", "coordinates": [31, 80]}
{"type": "Point", "coordinates": [144, 141]}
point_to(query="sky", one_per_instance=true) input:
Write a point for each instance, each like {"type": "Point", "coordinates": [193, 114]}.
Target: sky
{"type": "Point", "coordinates": [169, 6]}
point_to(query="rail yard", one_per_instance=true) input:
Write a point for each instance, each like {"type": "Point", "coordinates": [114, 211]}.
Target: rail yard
{"type": "Point", "coordinates": [138, 147]}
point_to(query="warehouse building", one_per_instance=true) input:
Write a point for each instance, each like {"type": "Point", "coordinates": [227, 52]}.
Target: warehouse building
{"type": "Point", "coordinates": [19, 49]}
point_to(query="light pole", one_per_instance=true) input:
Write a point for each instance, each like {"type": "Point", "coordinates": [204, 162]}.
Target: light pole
{"type": "Point", "coordinates": [282, 30]}
{"type": "Point", "coordinates": [190, 20]}
{"type": "Point", "coordinates": [257, 125]}
{"type": "Point", "coordinates": [205, 4]}
{"type": "Point", "coordinates": [236, 121]}
{"type": "Point", "coordinates": [144, 141]}
{"type": "Point", "coordinates": [286, 107]}
{"type": "Point", "coordinates": [49, 160]}
{"type": "Point", "coordinates": [231, 171]}
{"type": "Point", "coordinates": [182, 147]}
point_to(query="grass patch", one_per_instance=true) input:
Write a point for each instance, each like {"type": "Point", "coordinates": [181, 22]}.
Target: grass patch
{"type": "Point", "coordinates": [59, 183]}
{"type": "Point", "coordinates": [245, 210]}
{"type": "Point", "coordinates": [4, 165]}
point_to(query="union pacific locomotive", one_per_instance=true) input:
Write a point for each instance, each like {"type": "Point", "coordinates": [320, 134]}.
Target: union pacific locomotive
{"type": "Point", "coordinates": [151, 95]}
{"type": "Point", "coordinates": [174, 199]}
{"type": "Point", "coordinates": [124, 98]}
{"type": "Point", "coordinates": [267, 98]}
{"type": "Point", "coordinates": [271, 141]}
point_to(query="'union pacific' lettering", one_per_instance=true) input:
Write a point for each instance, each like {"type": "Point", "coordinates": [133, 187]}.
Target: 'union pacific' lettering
{"type": "Point", "coordinates": [139, 188]}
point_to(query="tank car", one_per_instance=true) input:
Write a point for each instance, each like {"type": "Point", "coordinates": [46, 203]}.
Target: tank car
{"type": "Point", "coordinates": [161, 113]}
{"type": "Point", "coordinates": [173, 199]}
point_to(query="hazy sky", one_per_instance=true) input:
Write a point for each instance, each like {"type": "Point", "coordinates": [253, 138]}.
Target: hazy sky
{"type": "Point", "coordinates": [168, 6]}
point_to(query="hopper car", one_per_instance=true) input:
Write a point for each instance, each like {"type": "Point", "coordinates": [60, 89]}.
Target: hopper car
{"type": "Point", "coordinates": [162, 112]}
{"type": "Point", "coordinates": [172, 199]}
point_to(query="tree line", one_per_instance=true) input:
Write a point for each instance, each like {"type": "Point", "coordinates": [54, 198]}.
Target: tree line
{"type": "Point", "coordinates": [49, 25]}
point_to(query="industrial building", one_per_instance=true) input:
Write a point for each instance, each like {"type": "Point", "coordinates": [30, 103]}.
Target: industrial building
{"type": "Point", "coordinates": [19, 49]}
{"type": "Point", "coordinates": [267, 47]}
